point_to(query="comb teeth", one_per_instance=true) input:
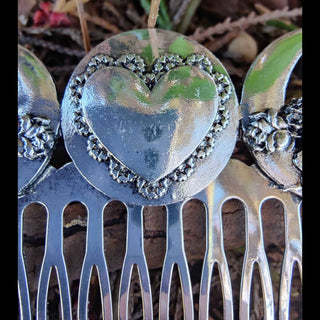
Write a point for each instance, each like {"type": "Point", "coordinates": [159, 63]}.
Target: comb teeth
{"type": "Point", "coordinates": [63, 186]}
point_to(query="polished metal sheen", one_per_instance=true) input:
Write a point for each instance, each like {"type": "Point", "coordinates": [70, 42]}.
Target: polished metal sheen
{"type": "Point", "coordinates": [273, 128]}
{"type": "Point", "coordinates": [146, 115]}
{"type": "Point", "coordinates": [150, 117]}
{"type": "Point", "coordinates": [38, 118]}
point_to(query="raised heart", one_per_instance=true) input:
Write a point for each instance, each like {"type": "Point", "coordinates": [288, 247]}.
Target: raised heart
{"type": "Point", "coordinates": [150, 132]}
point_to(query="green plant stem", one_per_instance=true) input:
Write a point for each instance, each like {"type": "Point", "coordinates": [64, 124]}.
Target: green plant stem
{"type": "Point", "coordinates": [185, 21]}
{"type": "Point", "coordinates": [281, 25]}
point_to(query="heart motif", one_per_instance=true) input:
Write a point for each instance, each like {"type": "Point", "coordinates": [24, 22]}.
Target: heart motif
{"type": "Point", "coordinates": [150, 132]}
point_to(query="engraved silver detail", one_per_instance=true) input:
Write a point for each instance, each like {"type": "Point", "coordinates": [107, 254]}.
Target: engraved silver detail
{"type": "Point", "coordinates": [35, 137]}
{"type": "Point", "coordinates": [270, 130]}
{"type": "Point", "coordinates": [134, 63]}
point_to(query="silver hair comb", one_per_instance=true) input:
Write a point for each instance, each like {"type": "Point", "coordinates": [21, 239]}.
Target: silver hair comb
{"type": "Point", "coordinates": [149, 118]}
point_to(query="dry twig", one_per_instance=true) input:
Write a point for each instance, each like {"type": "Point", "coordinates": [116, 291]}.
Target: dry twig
{"type": "Point", "coordinates": [102, 23]}
{"type": "Point", "coordinates": [67, 7]}
{"type": "Point", "coordinates": [25, 39]}
{"type": "Point", "coordinates": [153, 14]}
{"type": "Point", "coordinates": [216, 44]}
{"type": "Point", "coordinates": [58, 5]}
{"type": "Point", "coordinates": [244, 22]}
{"type": "Point", "coordinates": [84, 27]}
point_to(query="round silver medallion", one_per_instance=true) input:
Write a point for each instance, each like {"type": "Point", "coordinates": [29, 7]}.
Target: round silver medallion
{"type": "Point", "coordinates": [38, 117]}
{"type": "Point", "coordinates": [150, 117]}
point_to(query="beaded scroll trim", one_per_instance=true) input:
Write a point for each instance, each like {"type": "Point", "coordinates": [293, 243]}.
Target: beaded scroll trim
{"type": "Point", "coordinates": [134, 63]}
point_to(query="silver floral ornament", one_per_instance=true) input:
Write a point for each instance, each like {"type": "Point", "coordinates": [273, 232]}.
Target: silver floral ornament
{"type": "Point", "coordinates": [273, 130]}
{"type": "Point", "coordinates": [38, 118]}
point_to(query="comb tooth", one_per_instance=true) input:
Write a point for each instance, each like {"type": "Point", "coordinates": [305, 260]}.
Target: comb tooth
{"type": "Point", "coordinates": [175, 254]}
{"type": "Point", "coordinates": [266, 284]}
{"type": "Point", "coordinates": [135, 256]}
{"type": "Point", "coordinates": [126, 273]}
{"type": "Point", "coordinates": [246, 278]}
{"type": "Point", "coordinates": [226, 289]}
{"type": "Point", "coordinates": [285, 286]}
{"type": "Point", "coordinates": [255, 253]}
{"type": "Point", "coordinates": [266, 281]}
{"type": "Point", "coordinates": [94, 256]}
{"type": "Point", "coordinates": [249, 186]}
{"type": "Point", "coordinates": [84, 290]}
{"type": "Point", "coordinates": [225, 286]}
{"type": "Point", "coordinates": [292, 254]}
{"type": "Point", "coordinates": [23, 289]}
{"type": "Point", "coordinates": [53, 258]}
{"type": "Point", "coordinates": [213, 197]}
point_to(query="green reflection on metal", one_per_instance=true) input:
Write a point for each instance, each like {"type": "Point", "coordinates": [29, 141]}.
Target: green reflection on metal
{"type": "Point", "coordinates": [268, 69]}
{"type": "Point", "coordinates": [181, 47]}
{"type": "Point", "coordinates": [178, 83]}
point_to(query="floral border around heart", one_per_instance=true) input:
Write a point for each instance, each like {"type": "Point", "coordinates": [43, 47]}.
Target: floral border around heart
{"type": "Point", "coordinates": [118, 171]}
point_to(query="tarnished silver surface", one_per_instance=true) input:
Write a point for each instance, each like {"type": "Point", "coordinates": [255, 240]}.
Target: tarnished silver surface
{"type": "Point", "coordinates": [150, 117]}
{"type": "Point", "coordinates": [273, 130]}
{"type": "Point", "coordinates": [38, 118]}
